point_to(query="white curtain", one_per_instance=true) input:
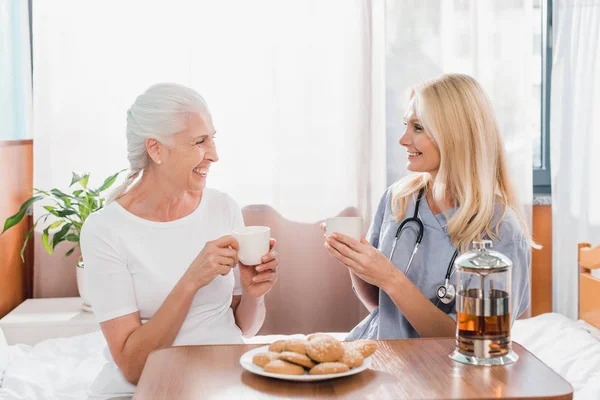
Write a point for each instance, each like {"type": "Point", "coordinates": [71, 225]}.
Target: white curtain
{"type": "Point", "coordinates": [288, 82]}
{"type": "Point", "coordinates": [15, 71]}
{"type": "Point", "coordinates": [291, 85]}
{"type": "Point", "coordinates": [575, 143]}
{"type": "Point", "coordinates": [489, 40]}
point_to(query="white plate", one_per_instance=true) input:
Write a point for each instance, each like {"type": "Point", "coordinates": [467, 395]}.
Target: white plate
{"type": "Point", "coordinates": [246, 363]}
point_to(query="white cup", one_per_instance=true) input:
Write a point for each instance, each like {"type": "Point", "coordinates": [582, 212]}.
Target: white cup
{"type": "Point", "coordinates": [254, 243]}
{"type": "Point", "coordinates": [349, 226]}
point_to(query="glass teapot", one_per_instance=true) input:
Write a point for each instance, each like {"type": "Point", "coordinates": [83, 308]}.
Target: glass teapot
{"type": "Point", "coordinates": [483, 307]}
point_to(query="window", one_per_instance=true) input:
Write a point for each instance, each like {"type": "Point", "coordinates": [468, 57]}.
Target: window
{"type": "Point", "coordinates": [542, 55]}
{"type": "Point", "coordinates": [484, 39]}
{"type": "Point", "coordinates": [15, 79]}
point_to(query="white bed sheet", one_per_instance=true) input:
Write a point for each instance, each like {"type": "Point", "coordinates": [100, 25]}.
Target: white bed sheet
{"type": "Point", "coordinates": [65, 368]}
{"type": "Point", "coordinates": [570, 348]}
{"type": "Point", "coordinates": [54, 368]}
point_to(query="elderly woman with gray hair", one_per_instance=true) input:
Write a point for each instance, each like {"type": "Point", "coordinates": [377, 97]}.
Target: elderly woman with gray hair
{"type": "Point", "coordinates": [161, 252]}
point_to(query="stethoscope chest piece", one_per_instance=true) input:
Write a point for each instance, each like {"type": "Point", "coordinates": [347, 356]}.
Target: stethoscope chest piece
{"type": "Point", "coordinates": [446, 292]}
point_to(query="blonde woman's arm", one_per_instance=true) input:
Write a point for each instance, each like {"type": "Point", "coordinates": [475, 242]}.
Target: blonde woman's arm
{"type": "Point", "coordinates": [373, 267]}
{"type": "Point", "coordinates": [367, 292]}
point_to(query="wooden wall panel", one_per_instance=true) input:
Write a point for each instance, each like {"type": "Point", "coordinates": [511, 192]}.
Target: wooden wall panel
{"type": "Point", "coordinates": [541, 264]}
{"type": "Point", "coordinates": [16, 180]}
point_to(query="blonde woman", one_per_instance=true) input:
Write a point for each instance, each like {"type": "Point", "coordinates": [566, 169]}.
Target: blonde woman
{"type": "Point", "coordinates": [459, 192]}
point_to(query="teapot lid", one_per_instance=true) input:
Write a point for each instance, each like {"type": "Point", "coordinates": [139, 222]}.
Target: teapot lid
{"type": "Point", "coordinates": [481, 257]}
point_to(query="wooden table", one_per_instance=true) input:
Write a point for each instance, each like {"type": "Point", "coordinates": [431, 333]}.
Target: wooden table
{"type": "Point", "coordinates": [401, 369]}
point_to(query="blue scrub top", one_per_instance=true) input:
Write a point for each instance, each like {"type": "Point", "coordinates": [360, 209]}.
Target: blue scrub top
{"type": "Point", "coordinates": [429, 266]}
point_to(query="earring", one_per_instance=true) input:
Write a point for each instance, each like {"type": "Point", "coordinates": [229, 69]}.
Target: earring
{"type": "Point", "coordinates": [159, 162]}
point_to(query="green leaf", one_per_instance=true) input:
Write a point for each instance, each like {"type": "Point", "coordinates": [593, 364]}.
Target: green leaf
{"type": "Point", "coordinates": [45, 241]}
{"type": "Point", "coordinates": [15, 219]}
{"type": "Point", "coordinates": [71, 237]}
{"type": "Point", "coordinates": [61, 195]}
{"type": "Point", "coordinates": [65, 213]}
{"type": "Point", "coordinates": [39, 218]}
{"type": "Point", "coordinates": [52, 211]}
{"type": "Point", "coordinates": [38, 191]}
{"type": "Point", "coordinates": [108, 182]}
{"type": "Point", "coordinates": [77, 225]}
{"type": "Point", "coordinates": [25, 243]}
{"type": "Point", "coordinates": [81, 178]}
{"type": "Point", "coordinates": [84, 181]}
{"type": "Point", "coordinates": [93, 203]}
{"type": "Point", "coordinates": [77, 192]}
{"type": "Point", "coordinates": [84, 211]}
{"type": "Point", "coordinates": [68, 253]}
{"type": "Point", "coordinates": [60, 235]}
{"type": "Point", "coordinates": [56, 224]}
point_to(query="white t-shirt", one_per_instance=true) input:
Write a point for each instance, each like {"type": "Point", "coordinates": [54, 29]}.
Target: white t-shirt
{"type": "Point", "coordinates": [132, 264]}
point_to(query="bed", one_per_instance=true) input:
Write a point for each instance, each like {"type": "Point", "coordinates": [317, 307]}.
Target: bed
{"type": "Point", "coordinates": [65, 368]}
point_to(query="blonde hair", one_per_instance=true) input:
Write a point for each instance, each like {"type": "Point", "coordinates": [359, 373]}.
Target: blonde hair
{"type": "Point", "coordinates": [457, 114]}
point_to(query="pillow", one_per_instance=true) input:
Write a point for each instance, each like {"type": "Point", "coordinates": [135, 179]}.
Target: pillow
{"type": "Point", "coordinates": [592, 330]}
{"type": "Point", "coordinates": [4, 355]}
{"type": "Point", "coordinates": [562, 344]}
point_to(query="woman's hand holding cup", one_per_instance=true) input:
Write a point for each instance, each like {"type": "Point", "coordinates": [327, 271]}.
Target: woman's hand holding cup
{"type": "Point", "coordinates": [258, 261]}
{"type": "Point", "coordinates": [216, 258]}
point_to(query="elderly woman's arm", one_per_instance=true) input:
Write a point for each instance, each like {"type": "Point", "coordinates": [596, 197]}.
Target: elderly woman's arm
{"type": "Point", "coordinates": [249, 308]}
{"type": "Point", "coordinates": [249, 313]}
{"type": "Point", "coordinates": [130, 342]}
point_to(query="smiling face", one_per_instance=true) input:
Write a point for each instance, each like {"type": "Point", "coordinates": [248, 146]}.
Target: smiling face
{"type": "Point", "coordinates": [423, 153]}
{"type": "Point", "coordinates": [185, 163]}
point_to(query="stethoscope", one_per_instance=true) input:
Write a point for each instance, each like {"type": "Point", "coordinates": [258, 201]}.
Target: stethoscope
{"type": "Point", "coordinates": [446, 292]}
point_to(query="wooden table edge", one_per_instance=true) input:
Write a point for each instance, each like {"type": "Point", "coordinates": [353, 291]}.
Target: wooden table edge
{"type": "Point", "coordinates": [250, 346]}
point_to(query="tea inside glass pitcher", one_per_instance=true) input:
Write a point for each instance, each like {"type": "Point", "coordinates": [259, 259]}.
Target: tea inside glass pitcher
{"type": "Point", "coordinates": [483, 308]}
{"type": "Point", "coordinates": [493, 329]}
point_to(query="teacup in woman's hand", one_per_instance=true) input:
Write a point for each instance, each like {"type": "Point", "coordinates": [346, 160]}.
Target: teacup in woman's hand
{"type": "Point", "coordinates": [254, 243]}
{"type": "Point", "coordinates": [349, 226]}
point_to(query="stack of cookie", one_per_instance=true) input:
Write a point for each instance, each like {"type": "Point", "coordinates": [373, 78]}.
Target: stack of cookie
{"type": "Point", "coordinates": [320, 354]}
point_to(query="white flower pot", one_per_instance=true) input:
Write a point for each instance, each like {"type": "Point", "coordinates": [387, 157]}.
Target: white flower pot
{"type": "Point", "coordinates": [81, 287]}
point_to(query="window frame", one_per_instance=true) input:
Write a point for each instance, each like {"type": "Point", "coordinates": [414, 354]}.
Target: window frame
{"type": "Point", "coordinates": [541, 175]}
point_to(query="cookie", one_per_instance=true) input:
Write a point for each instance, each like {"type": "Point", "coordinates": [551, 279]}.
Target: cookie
{"type": "Point", "coordinates": [284, 367]}
{"type": "Point", "coordinates": [262, 359]}
{"type": "Point", "coordinates": [366, 347]}
{"type": "Point", "coordinates": [352, 357]}
{"type": "Point", "coordinates": [295, 345]}
{"type": "Point", "coordinates": [314, 335]}
{"type": "Point", "coordinates": [324, 348]}
{"type": "Point", "coordinates": [300, 359]}
{"type": "Point", "coordinates": [277, 346]}
{"type": "Point", "coordinates": [328, 368]}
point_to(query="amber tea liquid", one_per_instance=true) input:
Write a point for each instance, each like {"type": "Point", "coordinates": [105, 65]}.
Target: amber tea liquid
{"type": "Point", "coordinates": [494, 331]}
{"type": "Point", "coordinates": [483, 327]}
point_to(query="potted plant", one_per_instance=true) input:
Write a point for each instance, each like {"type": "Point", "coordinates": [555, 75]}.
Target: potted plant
{"type": "Point", "coordinates": [67, 213]}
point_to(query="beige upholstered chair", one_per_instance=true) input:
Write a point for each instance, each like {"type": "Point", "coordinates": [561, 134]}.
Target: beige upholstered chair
{"type": "Point", "coordinates": [314, 293]}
